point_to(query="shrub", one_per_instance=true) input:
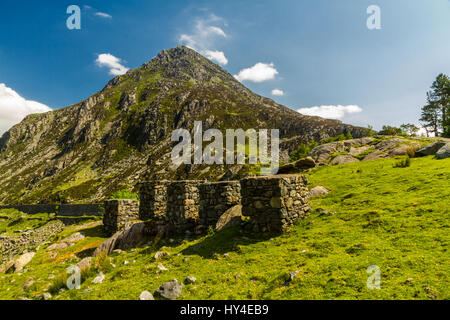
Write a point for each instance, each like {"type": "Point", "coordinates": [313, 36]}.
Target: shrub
{"type": "Point", "coordinates": [303, 150]}
{"type": "Point", "coordinates": [410, 151]}
{"type": "Point", "coordinates": [124, 194]}
{"type": "Point", "coordinates": [404, 163]}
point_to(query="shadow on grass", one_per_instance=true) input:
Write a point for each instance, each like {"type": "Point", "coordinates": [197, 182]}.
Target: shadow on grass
{"type": "Point", "coordinates": [224, 241]}
{"type": "Point", "coordinates": [96, 231]}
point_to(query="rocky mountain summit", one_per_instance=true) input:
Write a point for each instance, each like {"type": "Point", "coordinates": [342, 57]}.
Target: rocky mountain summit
{"type": "Point", "coordinates": [120, 135]}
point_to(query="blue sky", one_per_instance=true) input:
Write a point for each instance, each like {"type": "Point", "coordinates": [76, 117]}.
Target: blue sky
{"type": "Point", "coordinates": [322, 50]}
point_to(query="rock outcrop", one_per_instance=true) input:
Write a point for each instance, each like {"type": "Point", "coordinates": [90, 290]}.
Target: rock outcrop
{"type": "Point", "coordinates": [364, 149]}
{"type": "Point", "coordinates": [430, 149]}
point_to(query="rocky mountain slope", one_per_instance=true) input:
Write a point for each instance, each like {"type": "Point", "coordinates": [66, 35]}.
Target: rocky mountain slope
{"type": "Point", "coordinates": [120, 135]}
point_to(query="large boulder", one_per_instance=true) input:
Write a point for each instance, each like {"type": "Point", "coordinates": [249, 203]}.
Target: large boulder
{"type": "Point", "coordinates": [305, 163]}
{"type": "Point", "coordinates": [231, 217]}
{"type": "Point", "coordinates": [170, 290]}
{"type": "Point", "coordinates": [124, 239]}
{"type": "Point", "coordinates": [342, 159]}
{"type": "Point", "coordinates": [133, 236]}
{"type": "Point", "coordinates": [430, 149]}
{"type": "Point", "coordinates": [19, 263]}
{"type": "Point", "coordinates": [444, 152]}
{"type": "Point", "coordinates": [299, 165]}
{"type": "Point", "coordinates": [318, 191]}
{"type": "Point", "coordinates": [78, 236]}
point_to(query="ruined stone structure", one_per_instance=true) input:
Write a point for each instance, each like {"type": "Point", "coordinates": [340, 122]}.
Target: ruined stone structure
{"type": "Point", "coordinates": [118, 213]}
{"type": "Point", "coordinates": [153, 198]}
{"type": "Point", "coordinates": [183, 204]}
{"type": "Point", "coordinates": [216, 198]}
{"type": "Point", "coordinates": [273, 203]}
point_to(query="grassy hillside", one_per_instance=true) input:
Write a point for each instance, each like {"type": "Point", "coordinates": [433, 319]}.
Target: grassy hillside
{"type": "Point", "coordinates": [395, 218]}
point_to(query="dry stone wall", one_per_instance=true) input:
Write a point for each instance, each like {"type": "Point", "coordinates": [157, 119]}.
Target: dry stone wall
{"type": "Point", "coordinates": [118, 213]}
{"type": "Point", "coordinates": [61, 210]}
{"type": "Point", "coordinates": [183, 204]}
{"type": "Point", "coordinates": [153, 199]}
{"type": "Point", "coordinates": [273, 203]}
{"type": "Point", "coordinates": [216, 198]}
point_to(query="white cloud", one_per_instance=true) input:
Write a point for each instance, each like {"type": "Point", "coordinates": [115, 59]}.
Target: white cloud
{"type": "Point", "coordinates": [103, 15]}
{"type": "Point", "coordinates": [111, 62]}
{"type": "Point", "coordinates": [92, 11]}
{"type": "Point", "coordinates": [277, 92]}
{"type": "Point", "coordinates": [13, 108]}
{"type": "Point", "coordinates": [216, 30]}
{"type": "Point", "coordinates": [218, 56]}
{"type": "Point", "coordinates": [330, 112]}
{"type": "Point", "coordinates": [258, 73]}
{"type": "Point", "coordinates": [204, 36]}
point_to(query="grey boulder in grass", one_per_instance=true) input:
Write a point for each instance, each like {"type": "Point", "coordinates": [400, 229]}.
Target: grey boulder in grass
{"type": "Point", "coordinates": [444, 152]}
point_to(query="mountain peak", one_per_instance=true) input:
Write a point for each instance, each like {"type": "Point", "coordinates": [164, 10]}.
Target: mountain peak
{"type": "Point", "coordinates": [180, 64]}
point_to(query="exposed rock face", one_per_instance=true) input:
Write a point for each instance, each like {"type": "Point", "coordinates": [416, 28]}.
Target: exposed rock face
{"type": "Point", "coordinates": [122, 134]}
{"type": "Point", "coordinates": [363, 149]}
{"type": "Point", "coordinates": [444, 152]}
{"type": "Point", "coordinates": [342, 159]}
{"type": "Point", "coordinates": [430, 149]}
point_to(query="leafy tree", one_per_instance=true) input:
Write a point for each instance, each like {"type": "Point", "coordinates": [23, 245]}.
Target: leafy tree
{"type": "Point", "coordinates": [410, 129]}
{"type": "Point", "coordinates": [390, 131]}
{"type": "Point", "coordinates": [436, 114]}
{"type": "Point", "coordinates": [370, 132]}
{"type": "Point", "coordinates": [431, 116]}
{"type": "Point", "coordinates": [303, 150]}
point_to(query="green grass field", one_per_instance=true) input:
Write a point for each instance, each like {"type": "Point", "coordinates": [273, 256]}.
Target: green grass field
{"type": "Point", "coordinates": [13, 221]}
{"type": "Point", "coordinates": [394, 218]}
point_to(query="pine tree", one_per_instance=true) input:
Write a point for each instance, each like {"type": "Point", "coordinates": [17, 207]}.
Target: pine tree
{"type": "Point", "coordinates": [431, 115]}
{"type": "Point", "coordinates": [438, 102]}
